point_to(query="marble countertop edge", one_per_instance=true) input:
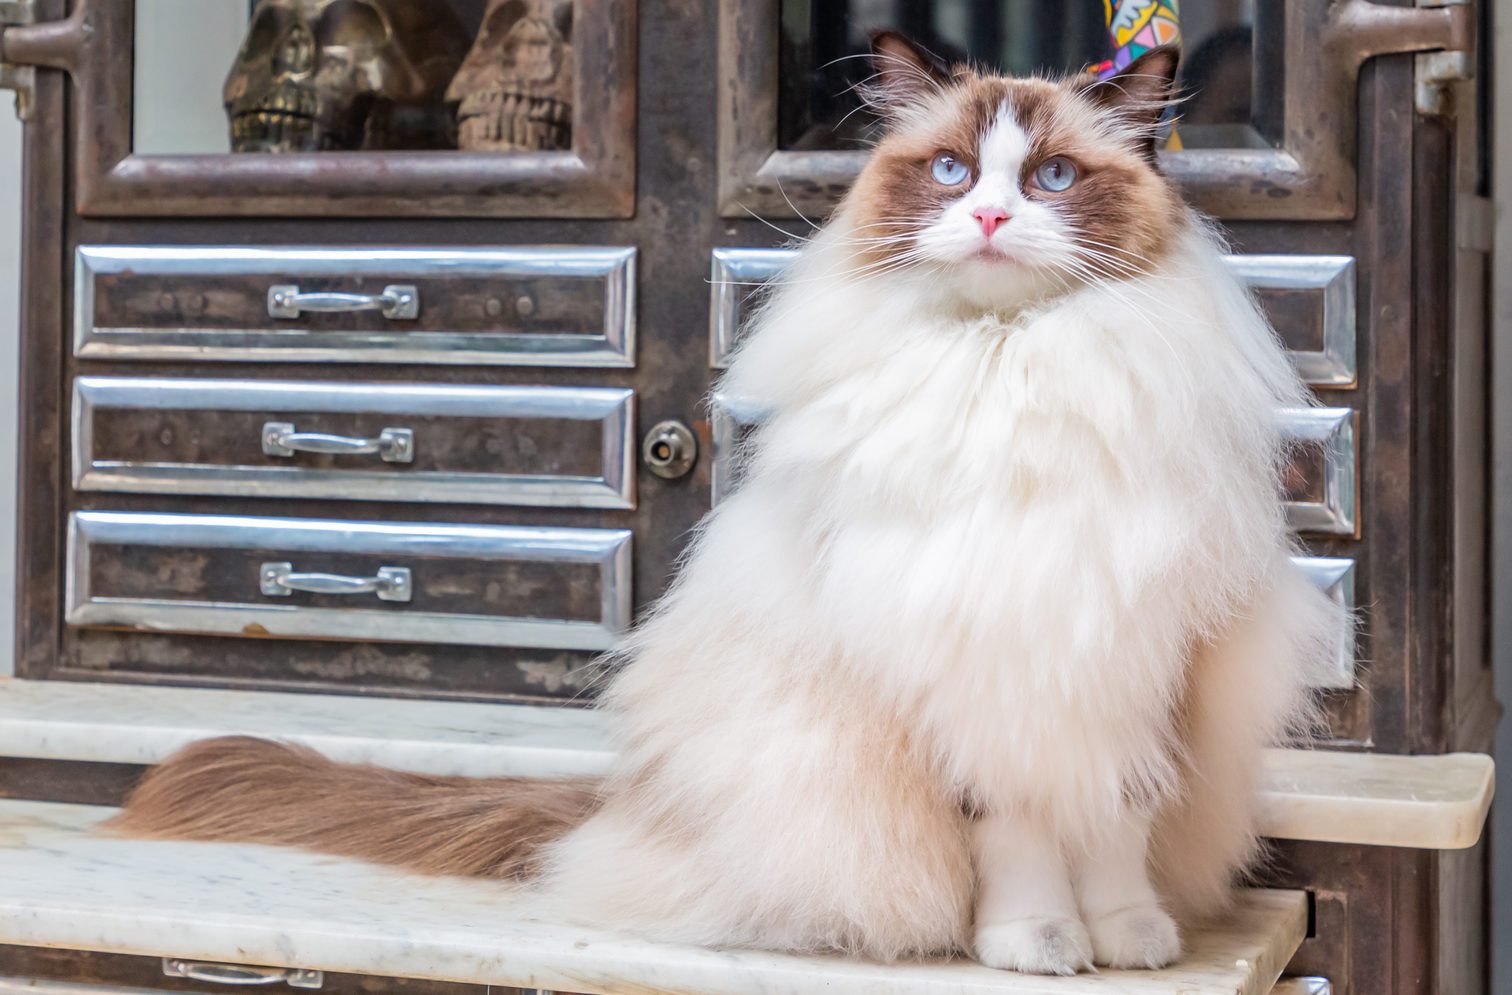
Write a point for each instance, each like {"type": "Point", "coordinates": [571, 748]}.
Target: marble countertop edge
{"type": "Point", "coordinates": [69, 887]}
{"type": "Point", "coordinates": [1427, 802]}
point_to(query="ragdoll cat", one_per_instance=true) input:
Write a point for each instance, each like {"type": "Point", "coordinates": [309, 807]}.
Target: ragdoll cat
{"type": "Point", "coordinates": [983, 653]}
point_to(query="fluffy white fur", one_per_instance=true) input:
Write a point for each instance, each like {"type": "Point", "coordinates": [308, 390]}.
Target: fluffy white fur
{"type": "Point", "coordinates": [996, 549]}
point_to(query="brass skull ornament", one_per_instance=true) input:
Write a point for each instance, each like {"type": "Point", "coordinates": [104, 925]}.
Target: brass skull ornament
{"type": "Point", "coordinates": [514, 91]}
{"type": "Point", "coordinates": [319, 75]}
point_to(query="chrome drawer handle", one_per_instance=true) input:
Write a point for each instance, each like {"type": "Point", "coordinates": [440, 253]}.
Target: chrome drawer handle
{"type": "Point", "coordinates": [278, 580]}
{"type": "Point", "coordinates": [399, 302]}
{"type": "Point", "coordinates": [393, 445]}
{"type": "Point", "coordinates": [241, 974]}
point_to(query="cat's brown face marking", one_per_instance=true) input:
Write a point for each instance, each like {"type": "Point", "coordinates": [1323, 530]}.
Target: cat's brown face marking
{"type": "Point", "coordinates": [997, 174]}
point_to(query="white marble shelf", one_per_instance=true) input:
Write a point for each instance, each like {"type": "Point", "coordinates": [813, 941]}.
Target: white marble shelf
{"type": "Point", "coordinates": [1429, 802]}
{"type": "Point", "coordinates": [138, 724]}
{"type": "Point", "coordinates": [65, 886]}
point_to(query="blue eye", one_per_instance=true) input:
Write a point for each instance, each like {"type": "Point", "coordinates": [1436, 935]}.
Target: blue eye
{"type": "Point", "coordinates": [949, 170]}
{"type": "Point", "coordinates": [1056, 175]}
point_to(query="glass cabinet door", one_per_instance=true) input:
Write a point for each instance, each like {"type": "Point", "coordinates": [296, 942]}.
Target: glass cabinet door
{"type": "Point", "coordinates": [1268, 129]}
{"type": "Point", "coordinates": [504, 108]}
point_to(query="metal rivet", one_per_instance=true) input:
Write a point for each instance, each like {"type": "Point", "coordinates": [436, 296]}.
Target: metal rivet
{"type": "Point", "coordinates": [525, 306]}
{"type": "Point", "coordinates": [493, 307]}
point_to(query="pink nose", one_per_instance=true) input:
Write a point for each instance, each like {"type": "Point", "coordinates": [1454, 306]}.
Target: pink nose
{"type": "Point", "coordinates": [989, 218]}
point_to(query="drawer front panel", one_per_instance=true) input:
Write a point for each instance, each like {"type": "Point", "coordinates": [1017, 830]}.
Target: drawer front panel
{"type": "Point", "coordinates": [1322, 478]}
{"type": "Point", "coordinates": [1309, 298]}
{"type": "Point", "coordinates": [330, 985]}
{"type": "Point", "coordinates": [1311, 302]}
{"type": "Point", "coordinates": [567, 447]}
{"type": "Point", "coordinates": [368, 581]}
{"type": "Point", "coordinates": [530, 306]}
{"type": "Point", "coordinates": [735, 280]}
{"type": "Point", "coordinates": [730, 421]}
{"type": "Point", "coordinates": [45, 971]}
{"type": "Point", "coordinates": [1335, 577]}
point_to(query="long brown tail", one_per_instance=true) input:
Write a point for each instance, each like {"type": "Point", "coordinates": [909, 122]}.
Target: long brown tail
{"type": "Point", "coordinates": [244, 790]}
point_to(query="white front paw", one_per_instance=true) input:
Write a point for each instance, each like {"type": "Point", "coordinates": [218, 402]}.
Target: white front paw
{"type": "Point", "coordinates": [1035, 946]}
{"type": "Point", "coordinates": [1140, 936]}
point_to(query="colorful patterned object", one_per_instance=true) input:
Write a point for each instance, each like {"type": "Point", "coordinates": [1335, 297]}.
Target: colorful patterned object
{"type": "Point", "coordinates": [1136, 26]}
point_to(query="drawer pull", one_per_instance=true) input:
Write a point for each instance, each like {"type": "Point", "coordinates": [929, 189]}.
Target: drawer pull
{"type": "Point", "coordinates": [241, 974]}
{"type": "Point", "coordinates": [393, 445]}
{"type": "Point", "coordinates": [398, 302]}
{"type": "Point", "coordinates": [278, 580]}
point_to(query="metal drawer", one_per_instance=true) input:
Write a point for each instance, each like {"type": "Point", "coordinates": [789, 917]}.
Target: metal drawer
{"type": "Point", "coordinates": [299, 578]}
{"type": "Point", "coordinates": [565, 447]}
{"type": "Point", "coordinates": [1335, 577]}
{"type": "Point", "coordinates": [517, 306]}
{"type": "Point", "coordinates": [1309, 298]}
{"type": "Point", "coordinates": [1311, 302]}
{"type": "Point", "coordinates": [1322, 487]}
{"type": "Point", "coordinates": [47, 971]}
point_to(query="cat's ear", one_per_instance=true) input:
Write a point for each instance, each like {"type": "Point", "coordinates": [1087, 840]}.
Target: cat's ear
{"type": "Point", "coordinates": [904, 72]}
{"type": "Point", "coordinates": [1141, 92]}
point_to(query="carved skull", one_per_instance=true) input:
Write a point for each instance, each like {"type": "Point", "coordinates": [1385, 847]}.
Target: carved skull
{"type": "Point", "coordinates": [514, 92]}
{"type": "Point", "coordinates": [344, 74]}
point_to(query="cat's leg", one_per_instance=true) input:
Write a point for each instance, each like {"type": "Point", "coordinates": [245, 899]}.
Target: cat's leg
{"type": "Point", "coordinates": [1026, 918]}
{"type": "Point", "coordinates": [1119, 904]}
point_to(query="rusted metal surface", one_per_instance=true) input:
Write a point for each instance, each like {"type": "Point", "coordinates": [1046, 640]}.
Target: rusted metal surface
{"type": "Point", "coordinates": [213, 438]}
{"type": "Point", "coordinates": [67, 782]}
{"type": "Point", "coordinates": [451, 586]}
{"type": "Point", "coordinates": [477, 305]}
{"type": "Point", "coordinates": [44, 270]}
{"type": "Point", "coordinates": [50, 44]}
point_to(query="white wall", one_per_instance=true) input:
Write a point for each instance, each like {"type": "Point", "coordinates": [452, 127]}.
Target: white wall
{"type": "Point", "coordinates": [10, 272]}
{"type": "Point", "coordinates": [184, 49]}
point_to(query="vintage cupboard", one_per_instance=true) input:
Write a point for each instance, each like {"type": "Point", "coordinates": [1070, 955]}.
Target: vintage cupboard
{"type": "Point", "coordinates": [408, 395]}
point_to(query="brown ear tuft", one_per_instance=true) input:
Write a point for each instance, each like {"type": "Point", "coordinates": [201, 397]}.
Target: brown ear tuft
{"type": "Point", "coordinates": [905, 71]}
{"type": "Point", "coordinates": [1141, 92]}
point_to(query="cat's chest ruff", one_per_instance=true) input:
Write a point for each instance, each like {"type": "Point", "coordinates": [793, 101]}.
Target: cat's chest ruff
{"type": "Point", "coordinates": [972, 393]}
